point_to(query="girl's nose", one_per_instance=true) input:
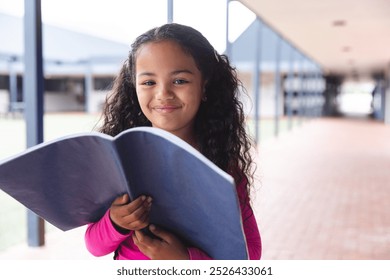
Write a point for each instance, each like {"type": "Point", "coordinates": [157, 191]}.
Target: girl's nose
{"type": "Point", "coordinates": [164, 92]}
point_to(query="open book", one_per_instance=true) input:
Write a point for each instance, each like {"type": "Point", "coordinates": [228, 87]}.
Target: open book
{"type": "Point", "coordinates": [72, 181]}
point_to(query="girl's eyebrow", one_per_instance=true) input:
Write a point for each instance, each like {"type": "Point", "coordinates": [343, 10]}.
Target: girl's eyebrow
{"type": "Point", "coordinates": [146, 74]}
{"type": "Point", "coordinates": [182, 71]}
{"type": "Point", "coordinates": [176, 72]}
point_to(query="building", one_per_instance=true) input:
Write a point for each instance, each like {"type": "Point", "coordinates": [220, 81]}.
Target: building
{"type": "Point", "coordinates": [79, 68]}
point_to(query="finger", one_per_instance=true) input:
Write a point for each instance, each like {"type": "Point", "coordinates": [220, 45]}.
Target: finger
{"type": "Point", "coordinates": [159, 232]}
{"type": "Point", "coordinates": [120, 200]}
{"type": "Point", "coordinates": [140, 246]}
{"type": "Point", "coordinates": [139, 223]}
{"type": "Point", "coordinates": [136, 211]}
{"type": "Point", "coordinates": [119, 212]}
{"type": "Point", "coordinates": [135, 239]}
{"type": "Point", "coordinates": [143, 239]}
{"type": "Point", "coordinates": [142, 202]}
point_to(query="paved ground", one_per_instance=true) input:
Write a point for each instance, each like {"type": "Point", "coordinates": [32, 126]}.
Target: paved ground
{"type": "Point", "coordinates": [323, 193]}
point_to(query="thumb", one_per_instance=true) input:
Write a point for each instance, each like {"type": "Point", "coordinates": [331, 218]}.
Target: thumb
{"type": "Point", "coordinates": [162, 234]}
{"type": "Point", "coordinates": [120, 200]}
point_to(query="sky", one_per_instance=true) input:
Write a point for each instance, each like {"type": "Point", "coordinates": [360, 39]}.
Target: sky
{"type": "Point", "coordinates": [123, 20]}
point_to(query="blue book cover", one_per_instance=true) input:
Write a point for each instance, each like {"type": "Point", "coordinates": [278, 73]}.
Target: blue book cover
{"type": "Point", "coordinates": [72, 181]}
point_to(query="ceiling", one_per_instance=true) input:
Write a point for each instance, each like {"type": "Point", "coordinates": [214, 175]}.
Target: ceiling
{"type": "Point", "coordinates": [350, 38]}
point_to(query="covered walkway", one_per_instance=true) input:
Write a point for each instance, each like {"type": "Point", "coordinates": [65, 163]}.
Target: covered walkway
{"type": "Point", "coordinates": [323, 193]}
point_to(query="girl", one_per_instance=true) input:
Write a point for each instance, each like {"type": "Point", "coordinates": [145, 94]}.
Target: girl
{"type": "Point", "coordinates": [173, 79]}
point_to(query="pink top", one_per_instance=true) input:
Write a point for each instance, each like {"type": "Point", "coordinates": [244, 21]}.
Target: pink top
{"type": "Point", "coordinates": [101, 238]}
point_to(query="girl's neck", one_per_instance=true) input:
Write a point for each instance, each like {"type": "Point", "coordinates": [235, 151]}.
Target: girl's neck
{"type": "Point", "coordinates": [190, 138]}
{"type": "Point", "coordinates": [194, 143]}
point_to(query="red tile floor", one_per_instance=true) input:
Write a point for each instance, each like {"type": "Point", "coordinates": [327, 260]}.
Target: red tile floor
{"type": "Point", "coordinates": [324, 191]}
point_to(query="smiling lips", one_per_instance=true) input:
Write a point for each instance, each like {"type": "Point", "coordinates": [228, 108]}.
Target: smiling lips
{"type": "Point", "coordinates": [166, 108]}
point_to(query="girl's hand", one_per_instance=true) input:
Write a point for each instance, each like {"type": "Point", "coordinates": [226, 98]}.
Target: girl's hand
{"type": "Point", "coordinates": [133, 215]}
{"type": "Point", "coordinates": [168, 248]}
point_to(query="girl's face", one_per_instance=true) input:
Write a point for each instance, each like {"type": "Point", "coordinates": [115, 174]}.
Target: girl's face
{"type": "Point", "coordinates": [169, 87]}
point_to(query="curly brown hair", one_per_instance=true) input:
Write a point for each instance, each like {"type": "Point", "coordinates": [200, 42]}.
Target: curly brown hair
{"type": "Point", "coordinates": [220, 121]}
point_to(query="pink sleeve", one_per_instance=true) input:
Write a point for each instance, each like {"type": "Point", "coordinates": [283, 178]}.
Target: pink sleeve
{"type": "Point", "coordinates": [251, 229]}
{"type": "Point", "coordinates": [101, 238]}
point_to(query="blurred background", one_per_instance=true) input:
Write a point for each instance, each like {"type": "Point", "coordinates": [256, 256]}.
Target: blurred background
{"type": "Point", "coordinates": [317, 78]}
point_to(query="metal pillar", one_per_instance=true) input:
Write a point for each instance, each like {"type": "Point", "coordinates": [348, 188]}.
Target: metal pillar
{"type": "Point", "coordinates": [228, 44]}
{"type": "Point", "coordinates": [387, 98]}
{"type": "Point", "coordinates": [319, 92]}
{"type": "Point", "coordinates": [301, 91]}
{"type": "Point", "coordinates": [290, 89]}
{"type": "Point", "coordinates": [33, 93]}
{"type": "Point", "coordinates": [316, 90]}
{"type": "Point", "coordinates": [383, 99]}
{"type": "Point", "coordinates": [277, 82]}
{"type": "Point", "coordinates": [13, 86]}
{"type": "Point", "coordinates": [170, 11]}
{"type": "Point", "coordinates": [256, 79]}
{"type": "Point", "coordinates": [309, 95]}
{"type": "Point", "coordinates": [88, 81]}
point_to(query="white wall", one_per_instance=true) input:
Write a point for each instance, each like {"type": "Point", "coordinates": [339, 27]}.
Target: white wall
{"type": "Point", "coordinates": [61, 102]}
{"type": "Point", "coordinates": [4, 101]}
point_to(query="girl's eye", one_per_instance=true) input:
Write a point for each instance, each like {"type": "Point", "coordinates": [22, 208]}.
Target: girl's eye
{"type": "Point", "coordinates": [180, 82]}
{"type": "Point", "coordinates": [148, 83]}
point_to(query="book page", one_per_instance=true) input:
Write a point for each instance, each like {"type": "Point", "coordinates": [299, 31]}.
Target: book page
{"type": "Point", "coordinates": [192, 197]}
{"type": "Point", "coordinates": [69, 182]}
